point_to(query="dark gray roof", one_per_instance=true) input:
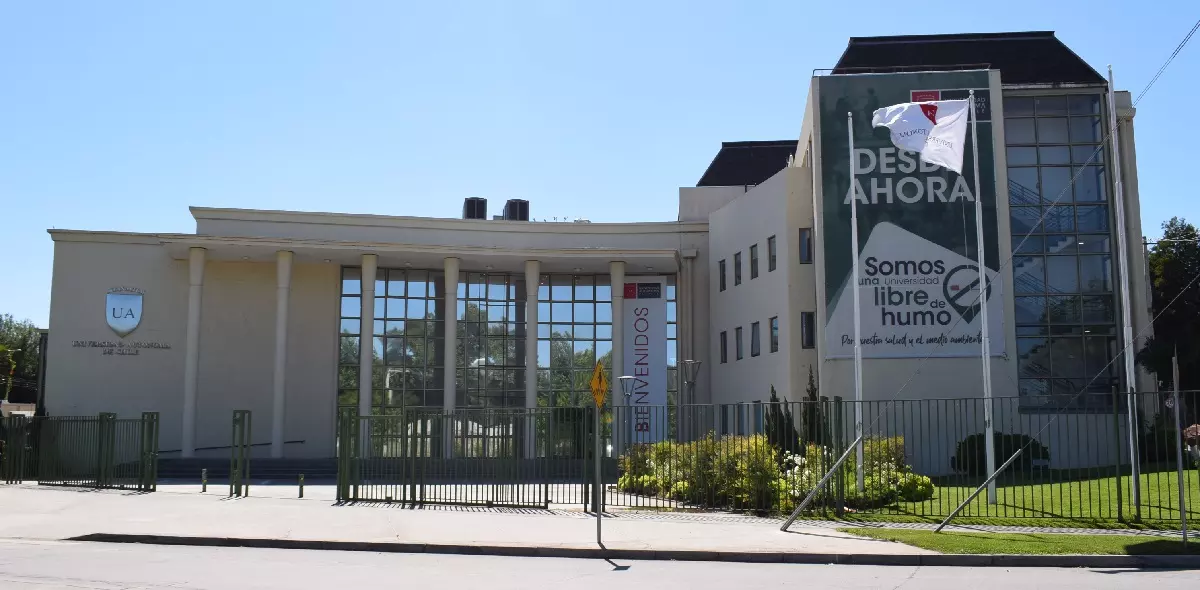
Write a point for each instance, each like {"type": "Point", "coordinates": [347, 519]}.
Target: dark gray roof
{"type": "Point", "coordinates": [747, 163]}
{"type": "Point", "coordinates": [1035, 57]}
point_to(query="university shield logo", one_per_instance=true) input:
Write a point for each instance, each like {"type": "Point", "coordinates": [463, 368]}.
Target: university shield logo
{"type": "Point", "coordinates": [123, 311]}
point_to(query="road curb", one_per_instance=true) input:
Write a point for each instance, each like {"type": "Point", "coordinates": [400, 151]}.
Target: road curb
{"type": "Point", "coordinates": [1096, 561]}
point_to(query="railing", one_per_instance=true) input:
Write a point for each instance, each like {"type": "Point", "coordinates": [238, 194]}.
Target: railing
{"type": "Point", "coordinates": [99, 452]}
{"type": "Point", "coordinates": [921, 458]}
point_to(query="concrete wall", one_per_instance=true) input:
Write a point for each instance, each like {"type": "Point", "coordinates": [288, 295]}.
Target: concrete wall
{"type": "Point", "coordinates": [801, 282]}
{"type": "Point", "coordinates": [750, 219]}
{"type": "Point", "coordinates": [83, 380]}
{"type": "Point", "coordinates": [236, 344]}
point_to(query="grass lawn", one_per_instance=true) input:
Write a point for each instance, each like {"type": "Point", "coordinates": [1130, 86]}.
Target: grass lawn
{"type": "Point", "coordinates": [1030, 543]}
{"type": "Point", "coordinates": [1089, 502]}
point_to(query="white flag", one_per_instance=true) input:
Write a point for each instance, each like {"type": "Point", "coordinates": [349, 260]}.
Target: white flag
{"type": "Point", "coordinates": [937, 130]}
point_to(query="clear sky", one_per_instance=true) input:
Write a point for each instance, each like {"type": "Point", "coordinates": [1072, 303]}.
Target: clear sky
{"type": "Point", "coordinates": [119, 115]}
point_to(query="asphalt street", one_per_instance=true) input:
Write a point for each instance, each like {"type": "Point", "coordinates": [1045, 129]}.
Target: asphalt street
{"type": "Point", "coordinates": [57, 564]}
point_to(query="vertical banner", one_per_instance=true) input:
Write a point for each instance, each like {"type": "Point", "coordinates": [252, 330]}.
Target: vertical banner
{"type": "Point", "coordinates": [919, 277]}
{"type": "Point", "coordinates": [645, 333]}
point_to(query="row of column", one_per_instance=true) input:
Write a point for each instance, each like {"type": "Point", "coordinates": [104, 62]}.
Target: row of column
{"type": "Point", "coordinates": [370, 264]}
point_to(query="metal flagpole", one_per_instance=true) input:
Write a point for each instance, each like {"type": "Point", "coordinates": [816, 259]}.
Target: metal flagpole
{"type": "Point", "coordinates": [986, 349]}
{"type": "Point", "coordinates": [1123, 281]}
{"type": "Point", "coordinates": [858, 396]}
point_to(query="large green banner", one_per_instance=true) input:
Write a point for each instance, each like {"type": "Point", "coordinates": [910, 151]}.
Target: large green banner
{"type": "Point", "coordinates": [918, 271]}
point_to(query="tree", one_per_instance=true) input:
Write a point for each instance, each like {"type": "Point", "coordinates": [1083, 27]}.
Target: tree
{"type": "Point", "coordinates": [1173, 264]}
{"type": "Point", "coordinates": [20, 357]}
{"type": "Point", "coordinates": [781, 430]}
{"type": "Point", "coordinates": [816, 430]}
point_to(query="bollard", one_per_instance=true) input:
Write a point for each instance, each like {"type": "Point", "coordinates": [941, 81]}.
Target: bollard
{"type": "Point", "coordinates": [301, 485]}
{"type": "Point", "coordinates": [203, 481]}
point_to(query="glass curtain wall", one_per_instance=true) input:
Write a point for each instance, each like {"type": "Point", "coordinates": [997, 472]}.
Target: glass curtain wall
{"type": "Point", "coordinates": [574, 331]}
{"type": "Point", "coordinates": [409, 362]}
{"type": "Point", "coordinates": [1062, 250]}
{"type": "Point", "coordinates": [491, 340]}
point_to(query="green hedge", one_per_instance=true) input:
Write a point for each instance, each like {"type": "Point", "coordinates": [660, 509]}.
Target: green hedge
{"type": "Point", "coordinates": [748, 473]}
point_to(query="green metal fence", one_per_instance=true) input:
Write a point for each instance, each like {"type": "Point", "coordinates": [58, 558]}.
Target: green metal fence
{"type": "Point", "coordinates": [99, 452]}
{"type": "Point", "coordinates": [239, 453]}
{"type": "Point", "coordinates": [919, 459]}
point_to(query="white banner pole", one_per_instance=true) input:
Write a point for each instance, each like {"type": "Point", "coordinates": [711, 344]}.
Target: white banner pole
{"type": "Point", "coordinates": [986, 348]}
{"type": "Point", "coordinates": [858, 394]}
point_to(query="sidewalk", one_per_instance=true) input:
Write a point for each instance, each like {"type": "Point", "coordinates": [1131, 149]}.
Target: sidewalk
{"type": "Point", "coordinates": [274, 517]}
{"type": "Point", "coordinates": [34, 512]}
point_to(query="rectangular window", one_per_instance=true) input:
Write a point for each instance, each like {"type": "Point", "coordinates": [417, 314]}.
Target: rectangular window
{"type": "Point", "coordinates": [755, 336]}
{"type": "Point", "coordinates": [754, 262]}
{"type": "Point", "coordinates": [771, 254]}
{"type": "Point", "coordinates": [737, 336]}
{"type": "Point", "coordinates": [721, 271]}
{"type": "Point", "coordinates": [724, 348]}
{"type": "Point", "coordinates": [775, 334]}
{"type": "Point", "coordinates": [737, 269]}
{"type": "Point", "coordinates": [808, 329]}
{"type": "Point", "coordinates": [806, 253]}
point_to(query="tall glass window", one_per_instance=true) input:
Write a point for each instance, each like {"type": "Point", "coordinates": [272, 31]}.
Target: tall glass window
{"type": "Point", "coordinates": [755, 337]}
{"type": "Point", "coordinates": [491, 340]}
{"type": "Point", "coordinates": [754, 262]}
{"type": "Point", "coordinates": [408, 365]}
{"type": "Point", "coordinates": [1062, 249]}
{"type": "Point", "coordinates": [574, 331]}
{"type": "Point", "coordinates": [806, 253]}
{"type": "Point", "coordinates": [775, 334]}
{"type": "Point", "coordinates": [737, 268]}
{"type": "Point", "coordinates": [737, 336]}
{"type": "Point", "coordinates": [721, 273]}
{"type": "Point", "coordinates": [771, 253]}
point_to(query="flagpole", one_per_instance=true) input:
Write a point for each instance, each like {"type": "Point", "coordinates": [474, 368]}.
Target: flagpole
{"type": "Point", "coordinates": [858, 396]}
{"type": "Point", "coordinates": [985, 352]}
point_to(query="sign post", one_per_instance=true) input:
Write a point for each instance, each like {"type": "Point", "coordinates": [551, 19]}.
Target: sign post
{"type": "Point", "coordinates": [599, 385]}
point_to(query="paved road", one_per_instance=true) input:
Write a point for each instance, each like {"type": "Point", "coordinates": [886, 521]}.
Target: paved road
{"type": "Point", "coordinates": [58, 564]}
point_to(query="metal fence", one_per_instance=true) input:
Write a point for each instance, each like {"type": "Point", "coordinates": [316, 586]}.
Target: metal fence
{"type": "Point", "coordinates": [88, 451]}
{"type": "Point", "coordinates": [919, 459]}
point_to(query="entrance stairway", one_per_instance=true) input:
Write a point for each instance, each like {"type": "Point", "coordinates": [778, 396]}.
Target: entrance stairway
{"type": "Point", "coordinates": [276, 470]}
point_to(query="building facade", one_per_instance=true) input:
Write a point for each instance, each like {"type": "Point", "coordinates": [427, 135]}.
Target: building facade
{"type": "Point", "coordinates": [294, 315]}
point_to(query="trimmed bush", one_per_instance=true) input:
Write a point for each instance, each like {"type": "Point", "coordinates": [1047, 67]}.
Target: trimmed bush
{"type": "Point", "coordinates": [970, 454]}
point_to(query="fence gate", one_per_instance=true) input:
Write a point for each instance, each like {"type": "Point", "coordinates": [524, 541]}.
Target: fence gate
{"type": "Point", "coordinates": [427, 456]}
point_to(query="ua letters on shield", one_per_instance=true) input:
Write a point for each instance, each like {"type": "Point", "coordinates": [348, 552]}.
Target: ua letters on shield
{"type": "Point", "coordinates": [124, 312]}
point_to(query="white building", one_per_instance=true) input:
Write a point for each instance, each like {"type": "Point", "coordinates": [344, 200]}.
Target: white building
{"type": "Point", "coordinates": [265, 310]}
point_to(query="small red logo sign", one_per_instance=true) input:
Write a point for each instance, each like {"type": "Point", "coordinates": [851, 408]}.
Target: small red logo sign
{"type": "Point", "coordinates": [631, 290]}
{"type": "Point", "coordinates": [930, 111]}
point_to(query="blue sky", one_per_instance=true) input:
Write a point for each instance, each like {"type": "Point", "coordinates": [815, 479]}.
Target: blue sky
{"type": "Point", "coordinates": [119, 115]}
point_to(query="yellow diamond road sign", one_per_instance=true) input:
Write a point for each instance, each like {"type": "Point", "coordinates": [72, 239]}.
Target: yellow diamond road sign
{"type": "Point", "coordinates": [599, 385]}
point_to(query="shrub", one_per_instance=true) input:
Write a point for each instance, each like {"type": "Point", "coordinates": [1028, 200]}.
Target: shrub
{"type": "Point", "coordinates": [970, 454]}
{"type": "Point", "coordinates": [914, 488]}
{"type": "Point", "coordinates": [749, 473]}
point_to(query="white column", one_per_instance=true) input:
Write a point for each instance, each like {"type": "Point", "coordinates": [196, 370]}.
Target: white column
{"type": "Point", "coordinates": [450, 341]}
{"type": "Point", "coordinates": [532, 279]}
{"type": "Point", "coordinates": [283, 289]}
{"type": "Point", "coordinates": [366, 335]}
{"type": "Point", "coordinates": [616, 274]}
{"type": "Point", "coordinates": [191, 360]}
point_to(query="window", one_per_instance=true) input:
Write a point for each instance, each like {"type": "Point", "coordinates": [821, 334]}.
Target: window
{"type": "Point", "coordinates": [574, 331]}
{"type": "Point", "coordinates": [721, 271]}
{"type": "Point", "coordinates": [737, 335]}
{"type": "Point", "coordinates": [737, 269]}
{"type": "Point", "coordinates": [771, 254]}
{"type": "Point", "coordinates": [806, 254]}
{"type": "Point", "coordinates": [775, 334]}
{"type": "Point", "coordinates": [1061, 237]}
{"type": "Point", "coordinates": [755, 336]}
{"type": "Point", "coordinates": [724, 348]}
{"type": "Point", "coordinates": [754, 262]}
{"type": "Point", "coordinates": [808, 329]}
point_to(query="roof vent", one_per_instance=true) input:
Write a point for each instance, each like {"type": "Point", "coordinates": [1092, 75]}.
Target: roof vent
{"type": "Point", "coordinates": [516, 210]}
{"type": "Point", "coordinates": [474, 208]}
